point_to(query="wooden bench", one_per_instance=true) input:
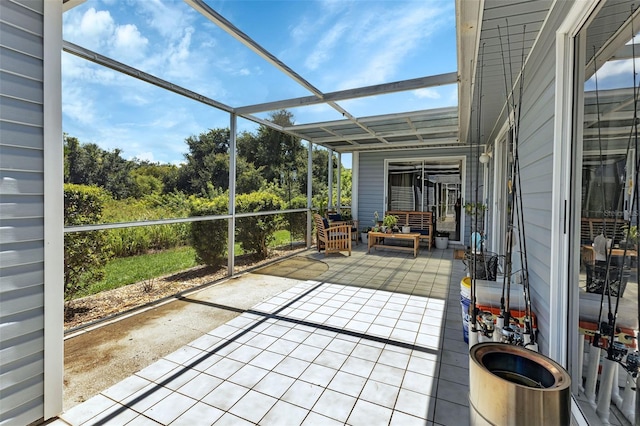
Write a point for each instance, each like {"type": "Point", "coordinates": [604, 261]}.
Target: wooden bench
{"type": "Point", "coordinates": [421, 222]}
{"type": "Point", "coordinates": [590, 227]}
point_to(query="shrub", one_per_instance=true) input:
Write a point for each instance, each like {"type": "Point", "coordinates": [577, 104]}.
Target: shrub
{"type": "Point", "coordinates": [255, 233]}
{"type": "Point", "coordinates": [85, 253]}
{"type": "Point", "coordinates": [298, 221]}
{"type": "Point", "coordinates": [139, 240]}
{"type": "Point", "coordinates": [209, 238]}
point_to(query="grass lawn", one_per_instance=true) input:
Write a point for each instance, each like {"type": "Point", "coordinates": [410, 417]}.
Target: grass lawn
{"type": "Point", "coordinates": [129, 270]}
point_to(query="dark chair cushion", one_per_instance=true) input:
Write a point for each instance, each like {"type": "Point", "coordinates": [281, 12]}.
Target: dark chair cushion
{"type": "Point", "coordinates": [326, 222]}
{"type": "Point", "coordinates": [335, 217]}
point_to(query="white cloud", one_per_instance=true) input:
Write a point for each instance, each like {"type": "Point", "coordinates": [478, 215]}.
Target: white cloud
{"type": "Point", "coordinates": [77, 104]}
{"type": "Point", "coordinates": [168, 18]}
{"type": "Point", "coordinates": [426, 93]}
{"type": "Point", "coordinates": [128, 42]}
{"type": "Point", "coordinates": [92, 29]}
{"type": "Point", "coordinates": [325, 47]}
{"type": "Point", "coordinates": [144, 156]}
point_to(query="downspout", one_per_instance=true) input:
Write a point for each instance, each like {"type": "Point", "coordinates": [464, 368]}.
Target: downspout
{"type": "Point", "coordinates": [231, 238]}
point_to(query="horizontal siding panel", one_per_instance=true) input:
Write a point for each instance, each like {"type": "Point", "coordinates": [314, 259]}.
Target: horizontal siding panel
{"type": "Point", "coordinates": [22, 396]}
{"type": "Point", "coordinates": [21, 111]}
{"type": "Point", "coordinates": [16, 183]}
{"type": "Point", "coordinates": [20, 206]}
{"type": "Point", "coordinates": [20, 230]}
{"type": "Point", "coordinates": [36, 6]}
{"type": "Point", "coordinates": [25, 414]}
{"type": "Point", "coordinates": [19, 63]}
{"type": "Point", "coordinates": [26, 322]}
{"type": "Point", "coordinates": [22, 16]}
{"type": "Point", "coordinates": [19, 87]}
{"type": "Point", "coordinates": [21, 300]}
{"type": "Point", "coordinates": [21, 253]}
{"type": "Point", "coordinates": [22, 276]}
{"type": "Point", "coordinates": [24, 369]}
{"type": "Point", "coordinates": [12, 350]}
{"type": "Point", "coordinates": [14, 158]}
{"type": "Point", "coordinates": [16, 134]}
{"type": "Point", "coordinates": [20, 40]}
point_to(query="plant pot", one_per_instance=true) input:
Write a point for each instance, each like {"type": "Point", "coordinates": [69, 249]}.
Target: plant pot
{"type": "Point", "coordinates": [406, 229]}
{"type": "Point", "coordinates": [442, 242]}
{"type": "Point", "coordinates": [365, 237]}
{"type": "Point", "coordinates": [383, 228]}
{"type": "Point", "coordinates": [511, 385]}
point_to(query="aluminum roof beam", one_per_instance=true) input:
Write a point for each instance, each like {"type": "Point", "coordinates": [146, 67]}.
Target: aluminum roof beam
{"type": "Point", "coordinates": [378, 89]}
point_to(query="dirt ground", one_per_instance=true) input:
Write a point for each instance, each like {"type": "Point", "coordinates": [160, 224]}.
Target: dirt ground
{"type": "Point", "coordinates": [101, 355]}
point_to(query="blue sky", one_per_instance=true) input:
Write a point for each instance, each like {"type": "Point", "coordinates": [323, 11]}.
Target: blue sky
{"type": "Point", "coordinates": [333, 44]}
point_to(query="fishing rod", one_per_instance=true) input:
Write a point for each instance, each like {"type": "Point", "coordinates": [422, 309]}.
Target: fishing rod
{"type": "Point", "coordinates": [473, 307]}
{"type": "Point", "coordinates": [517, 212]}
{"type": "Point", "coordinates": [530, 338]}
{"type": "Point", "coordinates": [504, 314]}
{"type": "Point", "coordinates": [594, 353]}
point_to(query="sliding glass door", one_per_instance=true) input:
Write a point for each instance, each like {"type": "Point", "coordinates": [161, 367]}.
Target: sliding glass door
{"type": "Point", "coordinates": [428, 184]}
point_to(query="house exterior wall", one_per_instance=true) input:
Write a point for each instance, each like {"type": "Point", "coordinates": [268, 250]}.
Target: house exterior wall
{"type": "Point", "coordinates": [22, 209]}
{"type": "Point", "coordinates": [536, 158]}
{"type": "Point", "coordinates": [371, 178]}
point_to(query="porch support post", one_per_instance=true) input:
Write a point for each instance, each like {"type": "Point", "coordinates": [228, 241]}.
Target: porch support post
{"type": "Point", "coordinates": [53, 269]}
{"type": "Point", "coordinates": [339, 189]}
{"type": "Point", "coordinates": [355, 180]}
{"type": "Point", "coordinates": [231, 238]}
{"type": "Point", "coordinates": [309, 192]}
{"type": "Point", "coordinates": [330, 180]}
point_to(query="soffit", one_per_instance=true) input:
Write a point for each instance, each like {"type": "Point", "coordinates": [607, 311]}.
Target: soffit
{"type": "Point", "coordinates": [505, 32]}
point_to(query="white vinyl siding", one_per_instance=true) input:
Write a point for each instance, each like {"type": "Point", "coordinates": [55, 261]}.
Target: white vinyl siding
{"type": "Point", "coordinates": [536, 143]}
{"type": "Point", "coordinates": [21, 212]}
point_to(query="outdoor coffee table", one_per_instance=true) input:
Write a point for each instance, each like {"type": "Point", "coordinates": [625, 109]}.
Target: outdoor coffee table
{"type": "Point", "coordinates": [377, 239]}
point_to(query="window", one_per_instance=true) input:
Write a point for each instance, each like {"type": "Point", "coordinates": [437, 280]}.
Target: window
{"type": "Point", "coordinates": [605, 157]}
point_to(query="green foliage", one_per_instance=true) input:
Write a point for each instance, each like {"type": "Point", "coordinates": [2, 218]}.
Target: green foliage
{"type": "Point", "coordinates": [390, 220]}
{"type": "Point", "coordinates": [209, 238]}
{"type": "Point", "coordinates": [89, 164]}
{"type": "Point", "coordinates": [297, 221]}
{"type": "Point", "coordinates": [84, 252]}
{"type": "Point", "coordinates": [137, 240]}
{"type": "Point", "coordinates": [256, 233]}
{"type": "Point", "coordinates": [129, 270]}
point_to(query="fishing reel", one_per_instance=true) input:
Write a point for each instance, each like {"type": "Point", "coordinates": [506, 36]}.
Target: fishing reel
{"type": "Point", "coordinates": [487, 326]}
{"type": "Point", "coordinates": [513, 335]}
{"type": "Point", "coordinates": [617, 351]}
{"type": "Point", "coordinates": [633, 363]}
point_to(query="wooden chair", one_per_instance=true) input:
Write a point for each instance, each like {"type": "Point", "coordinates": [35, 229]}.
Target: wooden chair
{"type": "Point", "coordinates": [333, 239]}
{"type": "Point", "coordinates": [335, 218]}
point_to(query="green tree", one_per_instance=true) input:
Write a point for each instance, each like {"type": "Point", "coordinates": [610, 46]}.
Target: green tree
{"type": "Point", "coordinates": [85, 253]}
{"type": "Point", "coordinates": [88, 164]}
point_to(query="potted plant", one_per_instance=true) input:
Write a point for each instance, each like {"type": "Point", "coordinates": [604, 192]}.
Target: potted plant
{"type": "Point", "coordinates": [630, 237]}
{"type": "Point", "coordinates": [364, 234]}
{"type": "Point", "coordinates": [442, 239]}
{"type": "Point", "coordinates": [389, 221]}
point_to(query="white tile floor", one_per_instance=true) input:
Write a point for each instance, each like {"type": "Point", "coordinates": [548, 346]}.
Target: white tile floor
{"type": "Point", "coordinates": [319, 353]}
